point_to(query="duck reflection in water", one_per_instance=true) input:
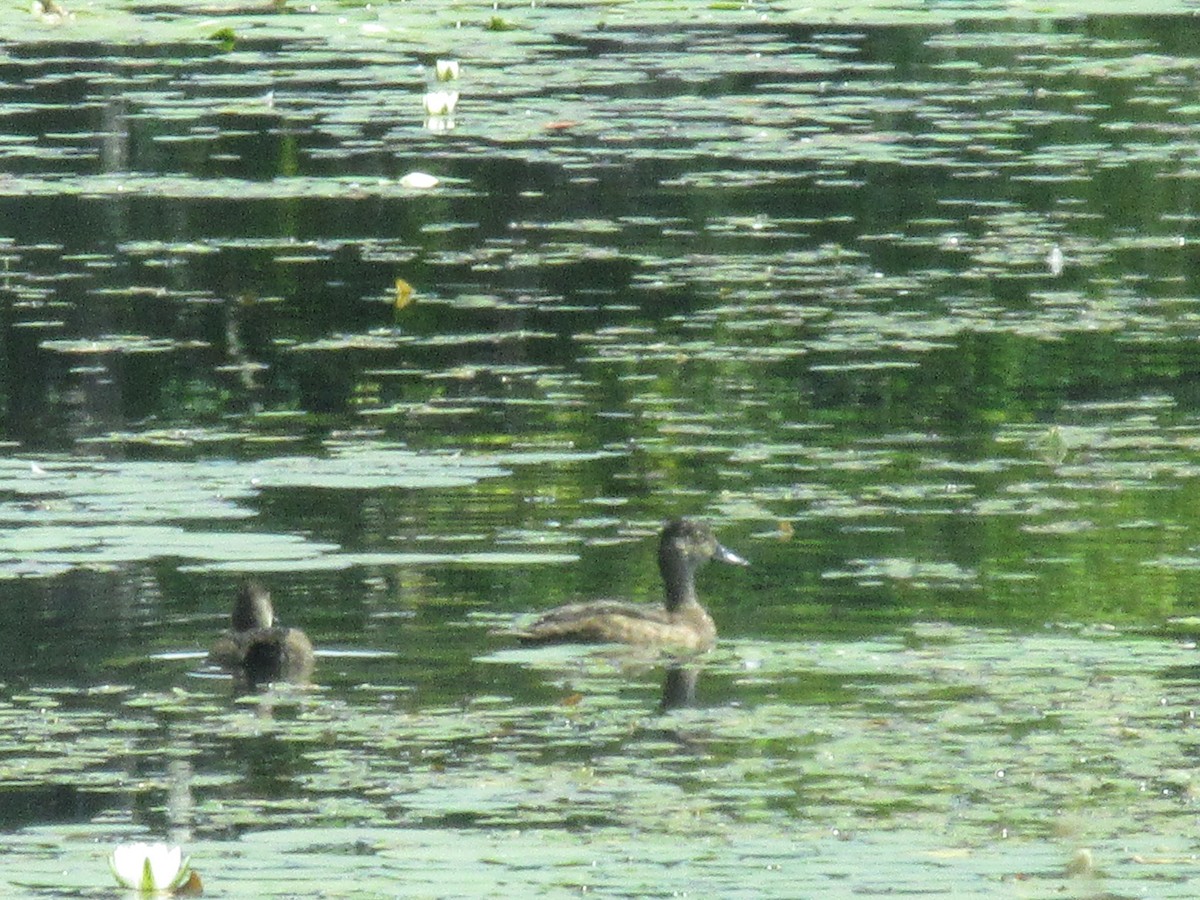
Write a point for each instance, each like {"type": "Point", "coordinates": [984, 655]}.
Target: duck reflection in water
{"type": "Point", "coordinates": [679, 687]}
{"type": "Point", "coordinates": [681, 623]}
{"type": "Point", "coordinates": [256, 650]}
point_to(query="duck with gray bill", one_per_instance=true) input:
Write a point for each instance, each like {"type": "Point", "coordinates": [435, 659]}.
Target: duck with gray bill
{"type": "Point", "coordinates": [684, 546]}
{"type": "Point", "coordinates": [257, 650]}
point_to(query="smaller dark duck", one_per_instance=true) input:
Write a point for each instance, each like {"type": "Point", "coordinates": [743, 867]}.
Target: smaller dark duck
{"type": "Point", "coordinates": [258, 651]}
{"type": "Point", "coordinates": [681, 623]}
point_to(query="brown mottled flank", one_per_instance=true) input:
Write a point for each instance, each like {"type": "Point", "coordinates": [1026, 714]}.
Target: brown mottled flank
{"type": "Point", "coordinates": [258, 651]}
{"type": "Point", "coordinates": [680, 623]}
{"type": "Point", "coordinates": [624, 623]}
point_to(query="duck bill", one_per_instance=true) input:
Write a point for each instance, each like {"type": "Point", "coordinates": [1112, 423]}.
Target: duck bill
{"type": "Point", "coordinates": [725, 555]}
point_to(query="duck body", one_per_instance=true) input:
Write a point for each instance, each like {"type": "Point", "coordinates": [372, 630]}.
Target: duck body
{"type": "Point", "coordinates": [611, 621]}
{"type": "Point", "coordinates": [258, 651]}
{"type": "Point", "coordinates": [681, 622]}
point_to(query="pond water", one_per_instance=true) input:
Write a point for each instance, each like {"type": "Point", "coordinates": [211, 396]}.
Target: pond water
{"type": "Point", "coordinates": [902, 298]}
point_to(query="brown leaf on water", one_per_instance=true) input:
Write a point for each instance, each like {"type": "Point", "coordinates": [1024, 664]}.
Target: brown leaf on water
{"type": "Point", "coordinates": [572, 699]}
{"type": "Point", "coordinates": [193, 887]}
{"type": "Point", "coordinates": [404, 294]}
{"type": "Point", "coordinates": [786, 531]}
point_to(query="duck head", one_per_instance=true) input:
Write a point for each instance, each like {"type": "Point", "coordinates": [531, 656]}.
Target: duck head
{"type": "Point", "coordinates": [685, 546]}
{"type": "Point", "coordinates": [253, 608]}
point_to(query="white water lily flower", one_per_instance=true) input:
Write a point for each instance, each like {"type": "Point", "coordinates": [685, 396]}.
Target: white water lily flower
{"type": "Point", "coordinates": [441, 103]}
{"type": "Point", "coordinates": [149, 868]}
{"type": "Point", "coordinates": [446, 69]}
{"type": "Point", "coordinates": [419, 180]}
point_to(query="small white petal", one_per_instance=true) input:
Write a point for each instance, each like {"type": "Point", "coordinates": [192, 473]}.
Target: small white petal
{"type": "Point", "coordinates": [446, 69]}
{"type": "Point", "coordinates": [419, 180]}
{"type": "Point", "coordinates": [1055, 261]}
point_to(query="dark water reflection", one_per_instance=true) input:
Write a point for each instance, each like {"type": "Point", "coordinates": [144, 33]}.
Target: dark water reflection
{"type": "Point", "coordinates": [679, 687]}
{"type": "Point", "coordinates": [905, 307]}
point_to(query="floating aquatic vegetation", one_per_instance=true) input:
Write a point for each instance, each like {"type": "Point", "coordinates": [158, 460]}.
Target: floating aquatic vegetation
{"type": "Point", "coordinates": [807, 277]}
{"type": "Point", "coordinates": [118, 344]}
